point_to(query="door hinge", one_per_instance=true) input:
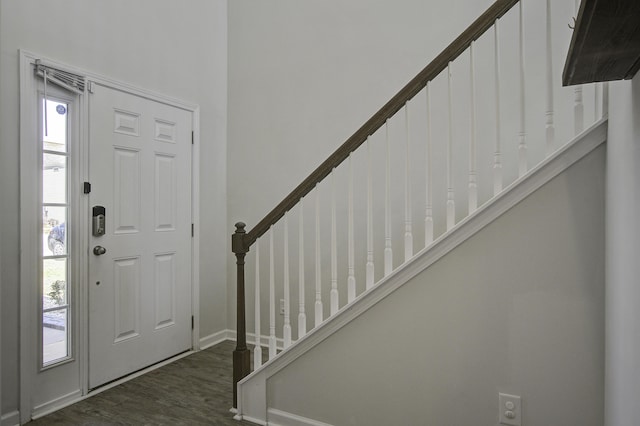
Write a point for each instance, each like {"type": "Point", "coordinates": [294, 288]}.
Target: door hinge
{"type": "Point", "coordinates": [192, 138]}
{"type": "Point", "coordinates": [193, 321]}
{"type": "Point", "coordinates": [192, 230]}
{"type": "Point", "coordinates": [86, 188]}
{"type": "Point", "coordinates": [90, 86]}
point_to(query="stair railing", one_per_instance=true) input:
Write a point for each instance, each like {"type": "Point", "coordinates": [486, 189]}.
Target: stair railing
{"type": "Point", "coordinates": [242, 240]}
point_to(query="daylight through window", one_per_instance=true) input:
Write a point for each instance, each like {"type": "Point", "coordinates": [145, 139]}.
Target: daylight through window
{"type": "Point", "coordinates": [55, 249]}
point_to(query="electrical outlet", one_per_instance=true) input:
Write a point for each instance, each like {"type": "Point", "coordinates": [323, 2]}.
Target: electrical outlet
{"type": "Point", "coordinates": [281, 306]}
{"type": "Point", "coordinates": [510, 409]}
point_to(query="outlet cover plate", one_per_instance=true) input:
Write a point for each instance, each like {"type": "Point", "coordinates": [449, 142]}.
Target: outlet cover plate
{"type": "Point", "coordinates": [510, 409]}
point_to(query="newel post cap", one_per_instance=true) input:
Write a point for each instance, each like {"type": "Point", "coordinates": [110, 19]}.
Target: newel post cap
{"type": "Point", "coordinates": [237, 239]}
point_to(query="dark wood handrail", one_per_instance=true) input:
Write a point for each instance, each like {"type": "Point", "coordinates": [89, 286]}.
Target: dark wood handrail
{"type": "Point", "coordinates": [431, 71]}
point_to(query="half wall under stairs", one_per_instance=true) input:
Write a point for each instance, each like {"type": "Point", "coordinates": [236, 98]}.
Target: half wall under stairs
{"type": "Point", "coordinates": [510, 300]}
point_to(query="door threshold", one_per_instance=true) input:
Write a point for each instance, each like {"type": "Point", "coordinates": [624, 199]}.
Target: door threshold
{"type": "Point", "coordinates": [138, 373]}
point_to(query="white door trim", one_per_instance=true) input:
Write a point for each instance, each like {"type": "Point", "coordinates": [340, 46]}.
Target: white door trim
{"type": "Point", "coordinates": [29, 244]}
{"type": "Point", "coordinates": [28, 300]}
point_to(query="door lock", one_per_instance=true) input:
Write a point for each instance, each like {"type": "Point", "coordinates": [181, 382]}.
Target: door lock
{"type": "Point", "coordinates": [99, 250]}
{"type": "Point", "coordinates": [98, 223]}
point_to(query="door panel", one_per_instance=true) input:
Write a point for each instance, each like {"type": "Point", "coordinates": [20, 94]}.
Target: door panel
{"type": "Point", "coordinates": [140, 288]}
{"type": "Point", "coordinates": [126, 288]}
{"type": "Point", "coordinates": [126, 187]}
{"type": "Point", "coordinates": [165, 282]}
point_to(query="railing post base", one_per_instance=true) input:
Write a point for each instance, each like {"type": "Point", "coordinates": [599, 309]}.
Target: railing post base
{"type": "Point", "coordinates": [241, 368]}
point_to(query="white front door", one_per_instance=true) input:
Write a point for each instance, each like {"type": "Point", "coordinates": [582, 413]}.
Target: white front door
{"type": "Point", "coordinates": [140, 287]}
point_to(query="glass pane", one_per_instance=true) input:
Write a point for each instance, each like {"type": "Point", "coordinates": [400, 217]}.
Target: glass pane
{"type": "Point", "coordinates": [54, 227]}
{"type": "Point", "coordinates": [54, 133]}
{"type": "Point", "coordinates": [54, 178]}
{"type": "Point", "coordinates": [54, 336]}
{"type": "Point", "coordinates": [54, 283]}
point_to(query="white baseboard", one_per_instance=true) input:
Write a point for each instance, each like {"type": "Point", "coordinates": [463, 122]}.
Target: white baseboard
{"type": "Point", "coordinates": [214, 339]}
{"type": "Point", "coordinates": [264, 340]}
{"type": "Point", "coordinates": [56, 404]}
{"type": "Point", "coordinates": [221, 336]}
{"type": "Point", "coordinates": [282, 418]}
{"type": "Point", "coordinates": [10, 419]}
{"type": "Point", "coordinates": [252, 420]}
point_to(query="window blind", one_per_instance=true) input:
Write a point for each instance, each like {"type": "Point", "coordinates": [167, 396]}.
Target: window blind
{"type": "Point", "coordinates": [70, 81]}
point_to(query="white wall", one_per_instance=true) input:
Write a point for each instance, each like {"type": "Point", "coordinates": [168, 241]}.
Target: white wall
{"type": "Point", "coordinates": [175, 48]}
{"type": "Point", "coordinates": [1, 320]}
{"type": "Point", "coordinates": [303, 76]}
{"type": "Point", "coordinates": [518, 308]}
{"type": "Point", "coordinates": [623, 246]}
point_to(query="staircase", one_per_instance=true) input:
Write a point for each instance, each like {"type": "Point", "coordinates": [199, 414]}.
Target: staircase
{"type": "Point", "coordinates": [479, 130]}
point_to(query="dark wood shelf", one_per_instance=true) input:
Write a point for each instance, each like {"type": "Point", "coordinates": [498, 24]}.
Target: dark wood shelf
{"type": "Point", "coordinates": [606, 42]}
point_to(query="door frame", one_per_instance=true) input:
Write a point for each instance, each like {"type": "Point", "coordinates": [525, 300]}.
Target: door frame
{"type": "Point", "coordinates": [29, 249]}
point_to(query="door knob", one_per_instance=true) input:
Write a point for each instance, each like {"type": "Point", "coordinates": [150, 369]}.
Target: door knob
{"type": "Point", "coordinates": [99, 250]}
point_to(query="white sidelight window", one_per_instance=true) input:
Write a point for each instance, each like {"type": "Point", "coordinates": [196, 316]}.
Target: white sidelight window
{"type": "Point", "coordinates": [55, 264]}
{"type": "Point", "coordinates": [50, 188]}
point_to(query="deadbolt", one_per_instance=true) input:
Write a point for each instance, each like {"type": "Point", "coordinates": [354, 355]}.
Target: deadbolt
{"type": "Point", "coordinates": [99, 250]}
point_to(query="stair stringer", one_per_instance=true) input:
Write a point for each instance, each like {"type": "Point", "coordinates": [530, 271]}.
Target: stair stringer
{"type": "Point", "coordinates": [252, 390]}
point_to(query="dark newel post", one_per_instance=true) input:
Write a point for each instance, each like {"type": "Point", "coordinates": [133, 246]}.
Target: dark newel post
{"type": "Point", "coordinates": [241, 355]}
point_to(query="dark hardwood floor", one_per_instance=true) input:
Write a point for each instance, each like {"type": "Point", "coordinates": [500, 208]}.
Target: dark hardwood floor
{"type": "Point", "coordinates": [195, 390]}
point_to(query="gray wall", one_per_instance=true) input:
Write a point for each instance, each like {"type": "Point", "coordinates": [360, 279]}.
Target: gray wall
{"type": "Point", "coordinates": [623, 248]}
{"type": "Point", "coordinates": [174, 48]}
{"type": "Point", "coordinates": [518, 308]}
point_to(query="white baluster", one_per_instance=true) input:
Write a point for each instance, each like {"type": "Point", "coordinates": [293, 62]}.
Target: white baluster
{"type": "Point", "coordinates": [522, 145]}
{"type": "Point", "coordinates": [473, 176]}
{"type": "Point", "coordinates": [388, 251]}
{"type": "Point", "coordinates": [318, 304]}
{"type": "Point", "coordinates": [351, 280]}
{"type": "Point", "coordinates": [605, 99]}
{"type": "Point", "coordinates": [597, 93]}
{"type": "Point", "coordinates": [451, 206]}
{"type": "Point", "coordinates": [286, 329]}
{"type": "Point", "coordinates": [272, 299]}
{"type": "Point", "coordinates": [408, 234]}
{"type": "Point", "coordinates": [302, 315]}
{"type": "Point", "coordinates": [578, 107]}
{"type": "Point", "coordinates": [334, 248]}
{"type": "Point", "coordinates": [497, 163]}
{"type": "Point", "coordinates": [550, 129]}
{"type": "Point", "coordinates": [257, 349]}
{"type": "Point", "coordinates": [370, 269]}
{"type": "Point", "coordinates": [578, 110]}
{"type": "Point", "coordinates": [428, 213]}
